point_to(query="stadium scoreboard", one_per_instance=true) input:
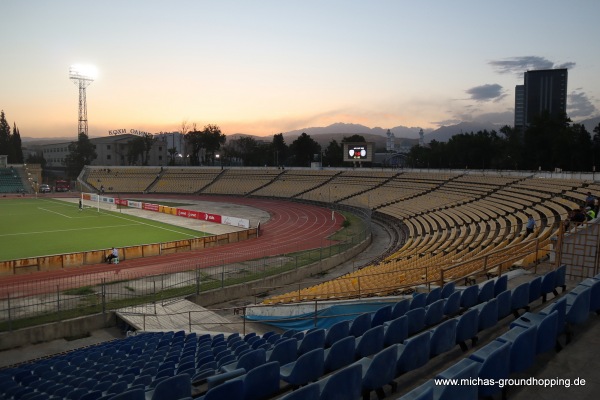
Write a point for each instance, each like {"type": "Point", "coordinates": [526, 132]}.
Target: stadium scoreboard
{"type": "Point", "coordinates": [358, 152]}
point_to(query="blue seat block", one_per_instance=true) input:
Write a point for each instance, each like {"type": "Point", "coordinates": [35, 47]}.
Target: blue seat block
{"type": "Point", "coordinates": [313, 340]}
{"type": "Point", "coordinates": [561, 275]}
{"type": "Point", "coordinates": [423, 392]}
{"type": "Point", "coordinates": [548, 285]}
{"type": "Point", "coordinates": [284, 352]}
{"type": "Point", "coordinates": [463, 369]}
{"type": "Point", "coordinates": [308, 392]}
{"type": "Point", "coordinates": [594, 285]}
{"type": "Point", "coordinates": [233, 390]}
{"type": "Point", "coordinates": [578, 305]}
{"type": "Point", "coordinates": [248, 361]}
{"type": "Point", "coordinates": [561, 307]}
{"type": "Point", "coordinates": [175, 387]}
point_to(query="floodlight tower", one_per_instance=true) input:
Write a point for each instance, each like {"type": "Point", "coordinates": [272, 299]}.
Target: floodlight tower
{"type": "Point", "coordinates": [82, 76]}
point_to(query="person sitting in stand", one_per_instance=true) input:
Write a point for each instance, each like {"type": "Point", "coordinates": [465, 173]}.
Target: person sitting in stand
{"type": "Point", "coordinates": [114, 254]}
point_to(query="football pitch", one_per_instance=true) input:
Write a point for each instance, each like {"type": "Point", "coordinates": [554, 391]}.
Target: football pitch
{"type": "Point", "coordinates": [43, 226]}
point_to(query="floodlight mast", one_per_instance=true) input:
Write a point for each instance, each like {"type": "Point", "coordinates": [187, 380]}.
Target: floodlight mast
{"type": "Point", "coordinates": [82, 79]}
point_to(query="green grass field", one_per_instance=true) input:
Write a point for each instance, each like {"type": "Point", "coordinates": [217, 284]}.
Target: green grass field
{"type": "Point", "coordinates": [36, 227]}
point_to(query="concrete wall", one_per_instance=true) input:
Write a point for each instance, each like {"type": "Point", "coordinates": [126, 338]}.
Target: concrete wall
{"type": "Point", "coordinates": [47, 332]}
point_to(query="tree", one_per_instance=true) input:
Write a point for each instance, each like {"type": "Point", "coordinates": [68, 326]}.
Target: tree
{"type": "Point", "coordinates": [210, 139]}
{"type": "Point", "coordinates": [81, 153]}
{"type": "Point", "coordinates": [303, 150]}
{"type": "Point", "coordinates": [4, 135]}
{"type": "Point", "coordinates": [15, 144]}
{"type": "Point", "coordinates": [334, 154]}
{"type": "Point", "coordinates": [135, 150]}
{"type": "Point", "coordinates": [280, 149]}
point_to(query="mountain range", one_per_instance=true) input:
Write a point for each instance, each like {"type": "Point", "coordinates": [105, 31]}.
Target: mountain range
{"type": "Point", "coordinates": [404, 135]}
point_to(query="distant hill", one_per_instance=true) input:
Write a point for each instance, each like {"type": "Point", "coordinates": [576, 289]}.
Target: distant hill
{"type": "Point", "coordinates": [356, 129]}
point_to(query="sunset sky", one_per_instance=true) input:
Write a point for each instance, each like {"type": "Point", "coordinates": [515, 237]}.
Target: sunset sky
{"type": "Point", "coordinates": [264, 67]}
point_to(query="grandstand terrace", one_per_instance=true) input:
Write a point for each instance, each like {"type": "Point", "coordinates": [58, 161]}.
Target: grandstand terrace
{"type": "Point", "coordinates": [450, 282]}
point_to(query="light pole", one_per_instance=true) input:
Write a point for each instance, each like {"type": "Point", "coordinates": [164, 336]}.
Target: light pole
{"type": "Point", "coordinates": [219, 160]}
{"type": "Point", "coordinates": [82, 76]}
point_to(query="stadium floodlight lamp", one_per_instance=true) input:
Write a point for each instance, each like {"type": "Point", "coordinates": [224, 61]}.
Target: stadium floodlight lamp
{"type": "Point", "coordinates": [84, 72]}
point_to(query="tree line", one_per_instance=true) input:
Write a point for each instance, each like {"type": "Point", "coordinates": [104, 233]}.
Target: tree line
{"type": "Point", "coordinates": [10, 143]}
{"type": "Point", "coordinates": [547, 144]}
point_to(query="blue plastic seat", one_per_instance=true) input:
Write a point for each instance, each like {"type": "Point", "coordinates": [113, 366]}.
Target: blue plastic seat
{"type": "Point", "coordinates": [447, 290]}
{"type": "Point", "coordinates": [535, 289]}
{"type": "Point", "coordinates": [400, 308]}
{"type": "Point", "coordinates": [313, 340]}
{"type": "Point", "coordinates": [360, 324]}
{"type": "Point", "coordinates": [308, 392]}
{"type": "Point", "coordinates": [548, 285]}
{"type": "Point", "coordinates": [395, 331]}
{"type": "Point", "coordinates": [370, 342]}
{"type": "Point", "coordinates": [340, 354]}
{"type": "Point", "coordinates": [463, 369]}
{"type": "Point", "coordinates": [519, 299]}
{"type": "Point", "coordinates": [578, 305]}
{"type": "Point", "coordinates": [382, 315]}
{"type": "Point", "coordinates": [337, 331]}
{"type": "Point", "coordinates": [561, 273]}
{"type": "Point", "coordinates": [414, 353]}
{"type": "Point", "coordinates": [423, 392]}
{"type": "Point", "coordinates": [433, 295]}
{"type": "Point", "coordinates": [379, 371]}
{"type": "Point", "coordinates": [415, 320]}
{"type": "Point", "coordinates": [560, 306]}
{"type": "Point", "coordinates": [443, 337]}
{"type": "Point", "coordinates": [307, 368]}
{"type": "Point", "coordinates": [418, 301]}
{"type": "Point", "coordinates": [486, 291]}
{"type": "Point", "coordinates": [248, 361]}
{"type": "Point", "coordinates": [452, 304]}
{"type": "Point", "coordinates": [547, 329]}
{"type": "Point", "coordinates": [594, 285]}
{"type": "Point", "coordinates": [495, 364]}
{"type": "Point", "coordinates": [344, 384]}
{"type": "Point", "coordinates": [467, 328]}
{"type": "Point", "coordinates": [132, 394]}
{"type": "Point", "coordinates": [500, 285]}
{"type": "Point", "coordinates": [284, 352]}
{"type": "Point", "coordinates": [523, 346]}
{"type": "Point", "coordinates": [488, 314]}
{"type": "Point", "coordinates": [504, 304]}
{"type": "Point", "coordinates": [261, 382]}
{"type": "Point", "coordinates": [469, 296]}
{"type": "Point", "coordinates": [434, 313]}
{"type": "Point", "coordinates": [230, 390]}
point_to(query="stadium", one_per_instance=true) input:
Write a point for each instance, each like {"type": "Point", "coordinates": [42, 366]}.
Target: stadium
{"type": "Point", "coordinates": [298, 283]}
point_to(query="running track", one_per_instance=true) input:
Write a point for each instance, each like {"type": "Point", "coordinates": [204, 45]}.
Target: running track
{"type": "Point", "coordinates": [291, 227]}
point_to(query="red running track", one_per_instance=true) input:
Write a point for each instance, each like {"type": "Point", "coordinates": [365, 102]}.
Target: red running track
{"type": "Point", "coordinates": [292, 227]}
